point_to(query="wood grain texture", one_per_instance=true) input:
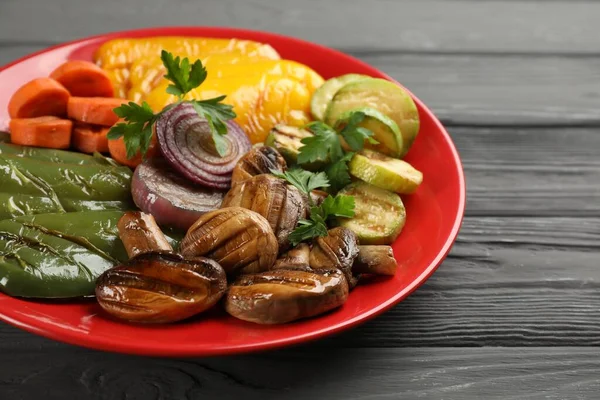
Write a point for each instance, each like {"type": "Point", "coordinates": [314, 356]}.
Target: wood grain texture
{"type": "Point", "coordinates": [509, 281]}
{"type": "Point", "coordinates": [530, 172]}
{"type": "Point", "coordinates": [480, 89]}
{"type": "Point", "coordinates": [307, 372]}
{"type": "Point", "coordinates": [430, 25]}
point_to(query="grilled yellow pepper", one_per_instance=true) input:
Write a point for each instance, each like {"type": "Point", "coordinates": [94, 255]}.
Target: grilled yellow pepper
{"type": "Point", "coordinates": [261, 99]}
{"type": "Point", "coordinates": [146, 74]}
{"type": "Point", "coordinates": [263, 89]}
{"type": "Point", "coordinates": [120, 53]}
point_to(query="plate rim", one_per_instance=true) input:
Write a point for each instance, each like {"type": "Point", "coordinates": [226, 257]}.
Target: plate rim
{"type": "Point", "coordinates": [68, 336]}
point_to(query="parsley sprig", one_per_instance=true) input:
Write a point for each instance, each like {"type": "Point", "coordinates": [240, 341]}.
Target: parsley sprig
{"type": "Point", "coordinates": [326, 146]}
{"type": "Point", "coordinates": [316, 224]}
{"type": "Point", "coordinates": [183, 77]}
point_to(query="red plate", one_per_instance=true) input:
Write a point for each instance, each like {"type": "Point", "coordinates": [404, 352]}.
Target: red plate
{"type": "Point", "coordinates": [434, 217]}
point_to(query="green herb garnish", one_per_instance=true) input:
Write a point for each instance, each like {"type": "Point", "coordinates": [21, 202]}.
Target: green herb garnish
{"type": "Point", "coordinates": [184, 77]}
{"type": "Point", "coordinates": [326, 146]}
{"type": "Point", "coordinates": [316, 225]}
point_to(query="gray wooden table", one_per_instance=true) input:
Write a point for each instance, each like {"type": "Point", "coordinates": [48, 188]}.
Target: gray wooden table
{"type": "Point", "coordinates": [513, 313]}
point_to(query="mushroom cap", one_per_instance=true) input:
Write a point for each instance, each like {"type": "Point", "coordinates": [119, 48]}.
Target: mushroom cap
{"type": "Point", "coordinates": [281, 296]}
{"type": "Point", "coordinates": [239, 239]}
{"type": "Point", "coordinates": [160, 287]}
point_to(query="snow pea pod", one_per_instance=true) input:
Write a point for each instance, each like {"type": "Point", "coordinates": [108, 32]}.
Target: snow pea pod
{"type": "Point", "coordinates": [85, 182]}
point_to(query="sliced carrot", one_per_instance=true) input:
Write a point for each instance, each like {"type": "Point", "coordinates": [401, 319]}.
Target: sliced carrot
{"type": "Point", "coordinates": [51, 132]}
{"type": "Point", "coordinates": [84, 79]}
{"type": "Point", "coordinates": [94, 110]}
{"type": "Point", "coordinates": [90, 138]}
{"type": "Point", "coordinates": [119, 153]}
{"type": "Point", "coordinates": [39, 98]}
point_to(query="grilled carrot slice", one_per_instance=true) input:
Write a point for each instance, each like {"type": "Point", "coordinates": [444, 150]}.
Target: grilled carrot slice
{"type": "Point", "coordinates": [51, 132]}
{"type": "Point", "coordinates": [83, 79]}
{"type": "Point", "coordinates": [90, 138]}
{"type": "Point", "coordinates": [39, 98]}
{"type": "Point", "coordinates": [94, 110]}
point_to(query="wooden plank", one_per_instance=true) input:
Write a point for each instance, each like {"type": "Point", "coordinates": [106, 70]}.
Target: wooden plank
{"type": "Point", "coordinates": [527, 172]}
{"type": "Point", "coordinates": [424, 373]}
{"type": "Point", "coordinates": [484, 90]}
{"type": "Point", "coordinates": [508, 281]}
{"type": "Point", "coordinates": [433, 25]}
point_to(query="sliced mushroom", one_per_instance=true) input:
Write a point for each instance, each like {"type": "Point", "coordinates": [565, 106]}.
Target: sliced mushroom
{"type": "Point", "coordinates": [296, 258]}
{"type": "Point", "coordinates": [160, 287]}
{"type": "Point", "coordinates": [336, 250]}
{"type": "Point", "coordinates": [239, 239]}
{"type": "Point", "coordinates": [281, 204]}
{"type": "Point", "coordinates": [140, 234]}
{"type": "Point", "coordinates": [259, 160]}
{"type": "Point", "coordinates": [281, 296]}
{"type": "Point", "coordinates": [375, 260]}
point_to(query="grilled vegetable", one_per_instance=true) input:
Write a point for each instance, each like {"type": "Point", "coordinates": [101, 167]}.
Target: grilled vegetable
{"type": "Point", "coordinates": [259, 160]}
{"type": "Point", "coordinates": [324, 94]}
{"type": "Point", "coordinates": [385, 172]}
{"type": "Point", "coordinates": [186, 142]}
{"type": "Point", "coordinates": [296, 258]}
{"type": "Point", "coordinates": [160, 287]}
{"type": "Point", "coordinates": [240, 240]}
{"type": "Point", "coordinates": [58, 255]}
{"type": "Point", "coordinates": [382, 95]}
{"type": "Point", "coordinates": [16, 204]}
{"type": "Point", "coordinates": [140, 234]}
{"type": "Point", "coordinates": [85, 182]}
{"type": "Point", "coordinates": [170, 198]}
{"type": "Point", "coordinates": [375, 260]}
{"type": "Point", "coordinates": [55, 156]}
{"type": "Point", "coordinates": [385, 131]}
{"type": "Point", "coordinates": [118, 53]}
{"type": "Point", "coordinates": [281, 204]}
{"type": "Point", "coordinates": [379, 215]}
{"type": "Point", "coordinates": [281, 296]}
{"type": "Point", "coordinates": [336, 250]}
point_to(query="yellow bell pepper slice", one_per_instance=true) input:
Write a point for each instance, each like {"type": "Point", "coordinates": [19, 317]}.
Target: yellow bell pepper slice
{"type": "Point", "coordinates": [119, 53]}
{"type": "Point", "coordinates": [260, 101]}
{"type": "Point", "coordinates": [242, 70]}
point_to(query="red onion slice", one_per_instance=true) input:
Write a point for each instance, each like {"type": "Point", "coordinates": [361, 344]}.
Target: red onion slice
{"type": "Point", "coordinates": [181, 132]}
{"type": "Point", "coordinates": [171, 199]}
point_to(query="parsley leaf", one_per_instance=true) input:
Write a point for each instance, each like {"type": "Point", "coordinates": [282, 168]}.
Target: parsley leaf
{"type": "Point", "coordinates": [316, 225]}
{"type": "Point", "coordinates": [353, 134]}
{"type": "Point", "coordinates": [339, 206]}
{"type": "Point", "coordinates": [338, 172]}
{"type": "Point", "coordinates": [308, 229]}
{"type": "Point", "coordinates": [305, 181]}
{"type": "Point", "coordinates": [133, 112]}
{"type": "Point", "coordinates": [324, 145]}
{"type": "Point", "coordinates": [184, 77]}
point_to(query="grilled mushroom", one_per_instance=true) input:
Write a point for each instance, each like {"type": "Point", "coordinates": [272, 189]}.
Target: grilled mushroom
{"type": "Point", "coordinates": [281, 204]}
{"type": "Point", "coordinates": [280, 296]}
{"type": "Point", "coordinates": [140, 233]}
{"type": "Point", "coordinates": [239, 239]}
{"type": "Point", "coordinates": [259, 160]}
{"type": "Point", "coordinates": [157, 287]}
{"type": "Point", "coordinates": [296, 258]}
{"type": "Point", "coordinates": [375, 260]}
{"type": "Point", "coordinates": [336, 250]}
